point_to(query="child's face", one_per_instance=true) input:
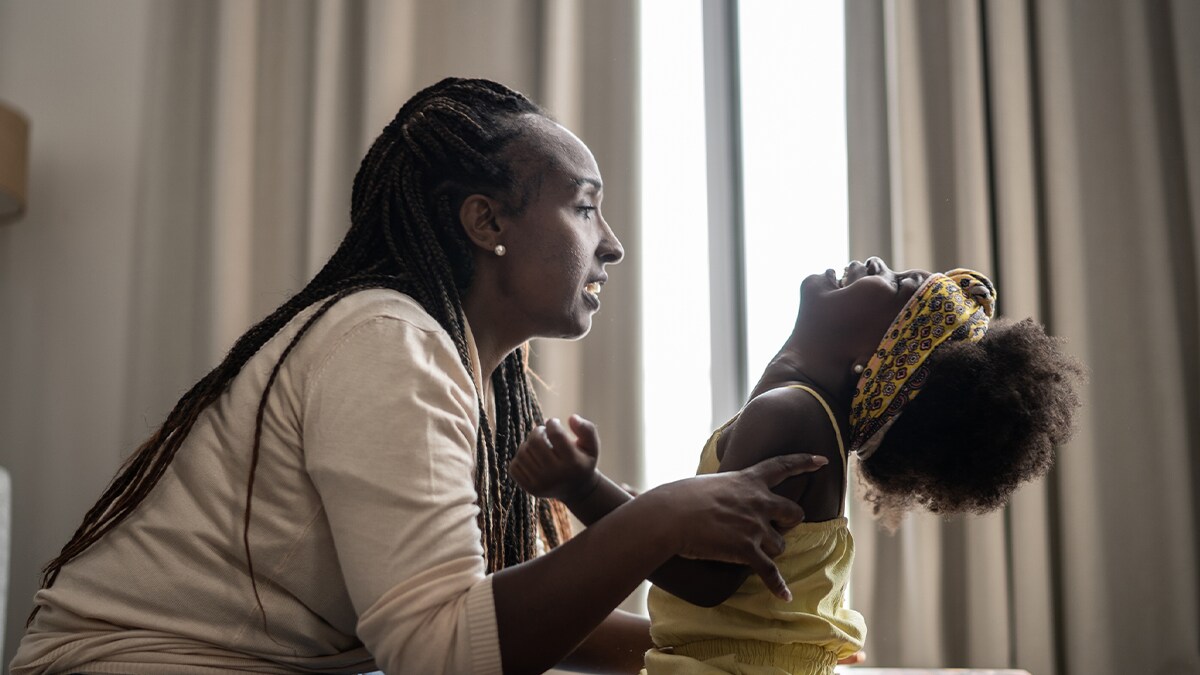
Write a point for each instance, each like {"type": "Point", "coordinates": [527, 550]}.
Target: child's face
{"type": "Point", "coordinates": [857, 309]}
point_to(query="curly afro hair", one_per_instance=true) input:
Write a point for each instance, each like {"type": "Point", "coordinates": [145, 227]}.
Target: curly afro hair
{"type": "Point", "coordinates": [988, 419]}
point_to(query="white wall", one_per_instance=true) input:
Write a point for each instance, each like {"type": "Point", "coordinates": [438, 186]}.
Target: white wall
{"type": "Point", "coordinates": [77, 70]}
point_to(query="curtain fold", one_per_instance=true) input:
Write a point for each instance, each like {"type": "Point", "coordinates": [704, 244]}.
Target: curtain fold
{"type": "Point", "coordinates": [253, 117]}
{"type": "Point", "coordinates": [258, 113]}
{"type": "Point", "coordinates": [1054, 146]}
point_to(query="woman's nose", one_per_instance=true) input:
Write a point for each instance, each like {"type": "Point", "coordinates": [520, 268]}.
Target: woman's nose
{"type": "Point", "coordinates": [610, 251]}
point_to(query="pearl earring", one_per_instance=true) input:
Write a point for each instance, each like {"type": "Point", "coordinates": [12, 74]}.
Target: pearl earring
{"type": "Point", "coordinates": [859, 368]}
{"type": "Point", "coordinates": [500, 250]}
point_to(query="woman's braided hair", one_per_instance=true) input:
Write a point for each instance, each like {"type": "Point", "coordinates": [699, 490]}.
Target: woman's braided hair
{"type": "Point", "coordinates": [448, 141]}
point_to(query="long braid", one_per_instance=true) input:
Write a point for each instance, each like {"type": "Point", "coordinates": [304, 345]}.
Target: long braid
{"type": "Point", "coordinates": [404, 235]}
{"type": "Point", "coordinates": [351, 286]}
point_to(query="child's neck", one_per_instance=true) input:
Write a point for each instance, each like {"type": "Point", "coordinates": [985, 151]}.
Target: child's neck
{"type": "Point", "coordinates": [793, 363]}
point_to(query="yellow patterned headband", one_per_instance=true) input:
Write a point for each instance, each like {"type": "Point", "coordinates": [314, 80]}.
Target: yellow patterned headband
{"type": "Point", "coordinates": [956, 305]}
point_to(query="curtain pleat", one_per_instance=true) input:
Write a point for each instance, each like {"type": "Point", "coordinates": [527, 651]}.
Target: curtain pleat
{"type": "Point", "coordinates": [282, 99]}
{"type": "Point", "coordinates": [1054, 146]}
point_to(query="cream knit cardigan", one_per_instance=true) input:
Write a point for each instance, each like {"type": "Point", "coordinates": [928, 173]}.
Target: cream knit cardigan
{"type": "Point", "coordinates": [364, 537]}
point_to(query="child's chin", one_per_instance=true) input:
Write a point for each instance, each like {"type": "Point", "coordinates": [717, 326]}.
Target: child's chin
{"type": "Point", "coordinates": [814, 285]}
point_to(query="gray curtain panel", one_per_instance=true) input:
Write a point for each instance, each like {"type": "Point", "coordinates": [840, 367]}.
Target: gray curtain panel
{"type": "Point", "coordinates": [1056, 146]}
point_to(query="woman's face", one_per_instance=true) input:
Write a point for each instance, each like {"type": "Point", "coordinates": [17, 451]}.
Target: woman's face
{"type": "Point", "coordinates": [856, 309]}
{"type": "Point", "coordinates": [559, 244]}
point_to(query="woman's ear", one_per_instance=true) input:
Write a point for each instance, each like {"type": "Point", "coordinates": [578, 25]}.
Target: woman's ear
{"type": "Point", "coordinates": [479, 218]}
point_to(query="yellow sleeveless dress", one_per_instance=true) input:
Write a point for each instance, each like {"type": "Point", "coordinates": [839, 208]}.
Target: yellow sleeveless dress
{"type": "Point", "coordinates": [754, 632]}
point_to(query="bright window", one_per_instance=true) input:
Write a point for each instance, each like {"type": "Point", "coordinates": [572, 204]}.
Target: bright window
{"type": "Point", "coordinates": [794, 161]}
{"type": "Point", "coordinates": [677, 386]}
{"type": "Point", "coordinates": [793, 223]}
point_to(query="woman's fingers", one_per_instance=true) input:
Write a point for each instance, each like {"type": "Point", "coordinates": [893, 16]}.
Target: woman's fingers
{"type": "Point", "coordinates": [775, 470]}
{"type": "Point", "coordinates": [765, 568]}
{"type": "Point", "coordinates": [735, 517]}
{"type": "Point", "coordinates": [784, 513]}
{"type": "Point", "coordinates": [773, 544]}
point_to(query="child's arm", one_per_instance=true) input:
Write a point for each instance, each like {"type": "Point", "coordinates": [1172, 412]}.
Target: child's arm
{"type": "Point", "coordinates": [552, 464]}
{"type": "Point", "coordinates": [781, 421]}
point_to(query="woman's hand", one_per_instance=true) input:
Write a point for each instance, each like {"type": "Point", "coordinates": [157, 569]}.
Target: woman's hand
{"type": "Point", "coordinates": [554, 463]}
{"type": "Point", "coordinates": [734, 517]}
{"type": "Point", "coordinates": [730, 516]}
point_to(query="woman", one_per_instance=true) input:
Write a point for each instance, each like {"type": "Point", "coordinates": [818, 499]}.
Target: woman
{"type": "Point", "coordinates": [334, 496]}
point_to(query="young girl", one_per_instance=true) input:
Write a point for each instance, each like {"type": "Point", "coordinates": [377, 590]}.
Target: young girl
{"type": "Point", "coordinates": [944, 407]}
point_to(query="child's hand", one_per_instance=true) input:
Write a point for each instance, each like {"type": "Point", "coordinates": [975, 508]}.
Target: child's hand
{"type": "Point", "coordinates": [554, 464]}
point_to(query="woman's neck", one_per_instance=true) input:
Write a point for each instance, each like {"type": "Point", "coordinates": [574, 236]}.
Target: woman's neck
{"type": "Point", "coordinates": [486, 326]}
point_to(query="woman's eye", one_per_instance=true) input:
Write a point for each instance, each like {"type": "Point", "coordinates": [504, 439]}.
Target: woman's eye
{"type": "Point", "coordinates": [586, 211]}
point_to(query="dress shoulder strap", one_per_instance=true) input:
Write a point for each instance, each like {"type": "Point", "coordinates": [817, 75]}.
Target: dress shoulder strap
{"type": "Point", "coordinates": [837, 432]}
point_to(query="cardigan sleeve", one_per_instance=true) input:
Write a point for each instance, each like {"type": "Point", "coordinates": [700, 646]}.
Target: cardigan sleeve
{"type": "Point", "coordinates": [389, 442]}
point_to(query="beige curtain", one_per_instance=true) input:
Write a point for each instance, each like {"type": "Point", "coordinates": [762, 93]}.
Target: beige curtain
{"type": "Point", "coordinates": [281, 100]}
{"type": "Point", "coordinates": [1056, 146]}
{"type": "Point", "coordinates": [192, 165]}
